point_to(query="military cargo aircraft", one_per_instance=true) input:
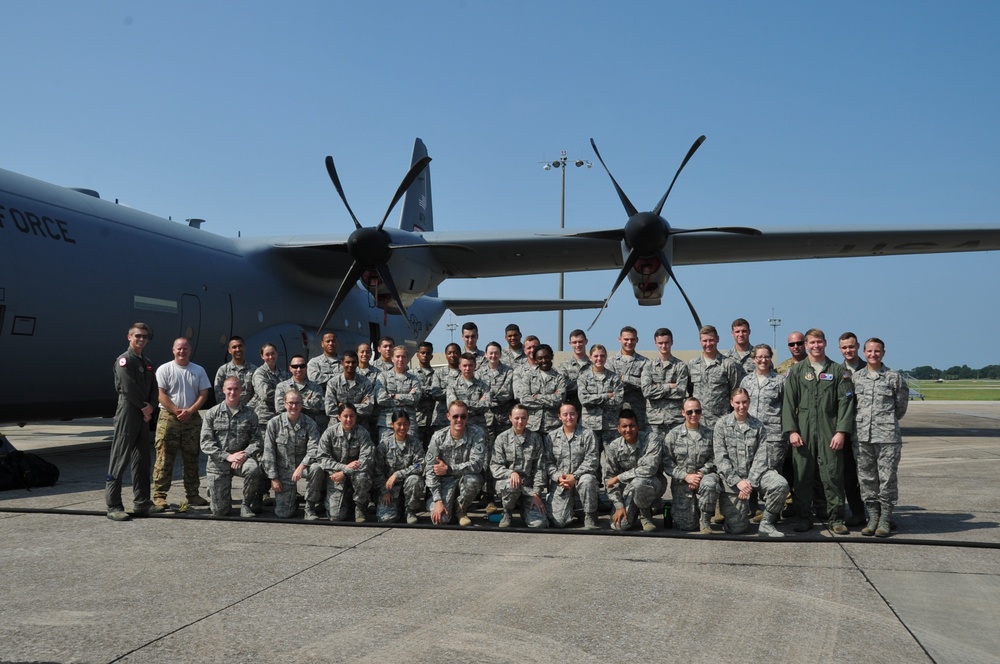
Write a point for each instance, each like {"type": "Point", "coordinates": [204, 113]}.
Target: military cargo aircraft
{"type": "Point", "coordinates": [76, 270]}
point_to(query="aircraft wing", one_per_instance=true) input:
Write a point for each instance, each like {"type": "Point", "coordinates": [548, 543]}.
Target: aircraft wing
{"type": "Point", "coordinates": [470, 307]}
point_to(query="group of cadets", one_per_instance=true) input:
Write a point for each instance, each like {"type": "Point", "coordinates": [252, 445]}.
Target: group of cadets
{"type": "Point", "coordinates": [726, 432]}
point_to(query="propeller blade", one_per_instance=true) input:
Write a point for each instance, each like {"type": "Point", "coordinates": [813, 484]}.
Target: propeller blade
{"type": "Point", "coordinates": [670, 273]}
{"type": "Point", "coordinates": [332, 171]}
{"type": "Point", "coordinates": [739, 230]}
{"type": "Point", "coordinates": [411, 175]}
{"type": "Point", "coordinates": [694, 148]}
{"type": "Point", "coordinates": [350, 279]}
{"type": "Point", "coordinates": [629, 208]}
{"type": "Point", "coordinates": [386, 275]}
{"type": "Point", "coordinates": [633, 256]}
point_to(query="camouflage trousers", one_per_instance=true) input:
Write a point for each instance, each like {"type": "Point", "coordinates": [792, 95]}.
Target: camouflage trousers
{"type": "Point", "coordinates": [285, 503]}
{"type": "Point", "coordinates": [457, 493]}
{"type": "Point", "coordinates": [773, 490]}
{"type": "Point", "coordinates": [639, 494]}
{"type": "Point", "coordinates": [687, 505]}
{"type": "Point", "coordinates": [562, 501]}
{"type": "Point", "coordinates": [513, 499]}
{"type": "Point", "coordinates": [410, 491]}
{"type": "Point", "coordinates": [359, 483]}
{"type": "Point", "coordinates": [877, 471]}
{"type": "Point", "coordinates": [172, 436]}
{"type": "Point", "coordinates": [219, 477]}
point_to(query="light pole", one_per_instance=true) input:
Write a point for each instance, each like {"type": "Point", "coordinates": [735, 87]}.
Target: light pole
{"type": "Point", "coordinates": [562, 164]}
{"type": "Point", "coordinates": [774, 323]}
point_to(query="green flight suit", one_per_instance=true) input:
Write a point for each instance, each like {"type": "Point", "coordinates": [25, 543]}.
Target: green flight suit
{"type": "Point", "coordinates": [818, 405]}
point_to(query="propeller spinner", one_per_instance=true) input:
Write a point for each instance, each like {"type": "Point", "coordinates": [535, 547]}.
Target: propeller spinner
{"type": "Point", "coordinates": [646, 233]}
{"type": "Point", "coordinates": [371, 247]}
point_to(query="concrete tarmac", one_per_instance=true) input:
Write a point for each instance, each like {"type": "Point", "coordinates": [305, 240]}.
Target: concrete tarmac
{"type": "Point", "coordinates": [187, 588]}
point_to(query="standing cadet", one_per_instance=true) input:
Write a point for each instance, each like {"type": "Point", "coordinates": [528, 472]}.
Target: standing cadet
{"type": "Point", "coordinates": [365, 367]}
{"type": "Point", "coordinates": [343, 459]}
{"type": "Point", "coordinates": [397, 388]}
{"type": "Point", "coordinates": [470, 337]}
{"type": "Point", "coordinates": [632, 468]}
{"type": "Point", "coordinates": [399, 475]}
{"type": "Point", "coordinates": [443, 379]}
{"type": "Point", "coordinates": [713, 376]}
{"type": "Point", "coordinates": [288, 443]}
{"type": "Point", "coordinates": [349, 386]}
{"type": "Point", "coordinates": [453, 467]}
{"type": "Point", "coordinates": [265, 380]}
{"type": "Point", "coordinates": [576, 364]}
{"type": "Point", "coordinates": [135, 383]}
{"type": "Point", "coordinates": [472, 391]}
{"type": "Point", "coordinates": [500, 379]}
{"type": "Point", "coordinates": [883, 397]}
{"type": "Point", "coordinates": [541, 389]}
{"type": "Point", "coordinates": [239, 367]}
{"type": "Point", "coordinates": [513, 355]}
{"type": "Point", "coordinates": [313, 397]}
{"type": "Point", "coordinates": [571, 463]}
{"type": "Point", "coordinates": [689, 462]}
{"type": "Point", "coordinates": [852, 489]}
{"type": "Point", "coordinates": [818, 416]}
{"type": "Point", "coordinates": [322, 368]}
{"type": "Point", "coordinates": [230, 438]}
{"type": "Point", "coordinates": [742, 353]}
{"type": "Point", "coordinates": [429, 392]}
{"type": "Point", "coordinates": [518, 466]}
{"type": "Point", "coordinates": [601, 393]}
{"type": "Point", "coordinates": [665, 382]}
{"type": "Point", "coordinates": [766, 388]}
{"type": "Point", "coordinates": [748, 462]}
{"type": "Point", "coordinates": [797, 347]}
{"type": "Point", "coordinates": [384, 360]}
{"type": "Point", "coordinates": [531, 343]}
{"type": "Point", "coordinates": [629, 365]}
{"type": "Point", "coordinates": [184, 389]}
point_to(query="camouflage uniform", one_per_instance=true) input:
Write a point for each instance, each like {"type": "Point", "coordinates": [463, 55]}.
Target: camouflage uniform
{"type": "Point", "coordinates": [501, 383]}
{"type": "Point", "coordinates": [443, 378]}
{"type": "Point", "coordinates": [766, 399]}
{"type": "Point", "coordinates": [465, 458]}
{"type": "Point", "coordinates": [287, 445]}
{"type": "Point", "coordinates": [382, 366]}
{"type": "Point", "coordinates": [183, 385]}
{"type": "Point", "coordinates": [392, 391]}
{"type": "Point", "coordinates": [321, 369]}
{"type": "Point", "coordinates": [541, 393]}
{"type": "Point", "coordinates": [573, 455]}
{"type": "Point", "coordinates": [475, 394]}
{"type": "Point", "coordinates": [629, 368]}
{"type": "Point", "coordinates": [743, 452]}
{"type": "Point", "coordinates": [336, 449]}
{"type": "Point", "coordinates": [244, 372]}
{"type": "Point", "coordinates": [525, 455]}
{"type": "Point", "coordinates": [428, 400]}
{"type": "Point", "coordinates": [744, 359]}
{"type": "Point", "coordinates": [712, 383]}
{"type": "Point", "coordinates": [135, 383]}
{"type": "Point", "coordinates": [817, 406]}
{"type": "Point", "coordinates": [664, 403]}
{"type": "Point", "coordinates": [600, 411]}
{"type": "Point", "coordinates": [571, 370]}
{"type": "Point", "coordinates": [359, 392]}
{"type": "Point", "coordinates": [405, 460]}
{"type": "Point", "coordinates": [313, 400]}
{"type": "Point", "coordinates": [690, 451]}
{"type": "Point", "coordinates": [223, 433]}
{"type": "Point", "coordinates": [264, 383]}
{"type": "Point", "coordinates": [513, 359]}
{"type": "Point", "coordinates": [882, 400]}
{"type": "Point", "coordinates": [637, 467]}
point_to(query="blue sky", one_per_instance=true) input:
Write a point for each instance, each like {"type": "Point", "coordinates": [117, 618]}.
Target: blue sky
{"type": "Point", "coordinates": [817, 114]}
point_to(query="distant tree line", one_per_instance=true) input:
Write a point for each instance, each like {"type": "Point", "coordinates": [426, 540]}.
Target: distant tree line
{"type": "Point", "coordinates": [989, 372]}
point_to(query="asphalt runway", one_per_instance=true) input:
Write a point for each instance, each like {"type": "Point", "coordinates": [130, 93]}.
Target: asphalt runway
{"type": "Point", "coordinates": [186, 588]}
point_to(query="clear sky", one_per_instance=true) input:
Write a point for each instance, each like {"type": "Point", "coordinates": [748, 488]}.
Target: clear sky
{"type": "Point", "coordinates": [817, 114]}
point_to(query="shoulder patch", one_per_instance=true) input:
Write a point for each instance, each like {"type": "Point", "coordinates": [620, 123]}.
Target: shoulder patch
{"type": "Point", "coordinates": [121, 361]}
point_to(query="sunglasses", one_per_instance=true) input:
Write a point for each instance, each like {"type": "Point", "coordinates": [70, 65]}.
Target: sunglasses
{"type": "Point", "coordinates": [140, 336]}
{"type": "Point", "coordinates": [796, 343]}
{"type": "Point", "coordinates": [460, 417]}
{"type": "Point", "coordinates": [693, 411]}
{"type": "Point", "coordinates": [298, 366]}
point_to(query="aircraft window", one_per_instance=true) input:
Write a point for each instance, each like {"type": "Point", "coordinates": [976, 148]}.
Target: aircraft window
{"type": "Point", "coordinates": [154, 304]}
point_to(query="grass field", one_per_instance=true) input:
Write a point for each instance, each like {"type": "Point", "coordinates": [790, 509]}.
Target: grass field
{"type": "Point", "coordinates": [958, 390]}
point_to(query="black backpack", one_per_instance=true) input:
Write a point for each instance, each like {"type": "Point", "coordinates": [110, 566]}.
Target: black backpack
{"type": "Point", "coordinates": [24, 470]}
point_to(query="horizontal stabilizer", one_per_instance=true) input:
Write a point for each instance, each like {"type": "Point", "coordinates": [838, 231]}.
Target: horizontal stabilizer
{"type": "Point", "coordinates": [464, 307]}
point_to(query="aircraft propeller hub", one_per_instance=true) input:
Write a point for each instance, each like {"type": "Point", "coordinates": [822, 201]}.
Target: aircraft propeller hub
{"type": "Point", "coordinates": [646, 233]}
{"type": "Point", "coordinates": [369, 246]}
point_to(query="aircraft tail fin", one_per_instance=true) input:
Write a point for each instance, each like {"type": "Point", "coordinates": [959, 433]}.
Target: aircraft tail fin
{"type": "Point", "coordinates": [417, 213]}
